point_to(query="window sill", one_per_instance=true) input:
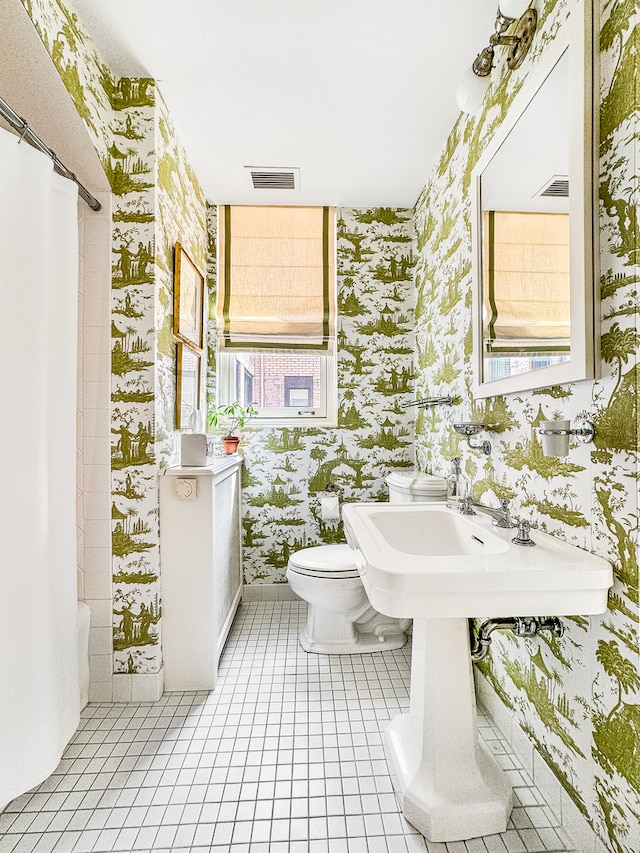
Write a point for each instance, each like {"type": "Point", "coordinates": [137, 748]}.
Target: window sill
{"type": "Point", "coordinates": [304, 423]}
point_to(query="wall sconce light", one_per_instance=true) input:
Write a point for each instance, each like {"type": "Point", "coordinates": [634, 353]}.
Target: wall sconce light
{"type": "Point", "coordinates": [469, 430]}
{"type": "Point", "coordinates": [475, 82]}
{"type": "Point", "coordinates": [556, 435]}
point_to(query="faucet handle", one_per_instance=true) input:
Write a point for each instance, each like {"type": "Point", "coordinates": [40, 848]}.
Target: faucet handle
{"type": "Point", "coordinates": [465, 506]}
{"type": "Point", "coordinates": [523, 537]}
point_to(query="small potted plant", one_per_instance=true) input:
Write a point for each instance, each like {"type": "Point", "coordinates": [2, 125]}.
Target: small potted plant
{"type": "Point", "coordinates": [229, 418]}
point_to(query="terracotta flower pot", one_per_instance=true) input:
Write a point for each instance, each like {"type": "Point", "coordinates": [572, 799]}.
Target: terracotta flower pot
{"type": "Point", "coordinates": [230, 443]}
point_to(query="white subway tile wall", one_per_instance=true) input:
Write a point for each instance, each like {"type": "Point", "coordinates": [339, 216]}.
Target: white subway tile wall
{"type": "Point", "coordinates": [94, 471]}
{"type": "Point", "coordinates": [284, 756]}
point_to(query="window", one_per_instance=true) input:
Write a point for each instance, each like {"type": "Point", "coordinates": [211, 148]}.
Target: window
{"type": "Point", "coordinates": [276, 312]}
{"type": "Point", "coordinates": [287, 389]}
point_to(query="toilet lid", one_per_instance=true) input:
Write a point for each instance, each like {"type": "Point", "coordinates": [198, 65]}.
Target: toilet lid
{"type": "Point", "coordinates": [326, 561]}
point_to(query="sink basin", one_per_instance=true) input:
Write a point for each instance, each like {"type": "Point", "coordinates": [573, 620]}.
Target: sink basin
{"type": "Point", "coordinates": [430, 563]}
{"type": "Point", "coordinates": [434, 533]}
{"type": "Point", "coordinates": [426, 560]}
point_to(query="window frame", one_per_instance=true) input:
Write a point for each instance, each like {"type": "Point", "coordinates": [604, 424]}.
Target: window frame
{"type": "Point", "coordinates": [325, 415]}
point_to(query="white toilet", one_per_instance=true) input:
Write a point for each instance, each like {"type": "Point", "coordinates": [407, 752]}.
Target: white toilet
{"type": "Point", "coordinates": [340, 619]}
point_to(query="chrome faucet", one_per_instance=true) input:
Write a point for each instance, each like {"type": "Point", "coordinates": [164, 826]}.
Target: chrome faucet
{"type": "Point", "coordinates": [500, 515]}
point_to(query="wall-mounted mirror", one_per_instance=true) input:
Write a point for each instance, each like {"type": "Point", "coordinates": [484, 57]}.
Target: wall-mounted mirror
{"type": "Point", "coordinates": [533, 228]}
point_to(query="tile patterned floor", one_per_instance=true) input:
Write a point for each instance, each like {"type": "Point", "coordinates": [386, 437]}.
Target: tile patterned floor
{"type": "Point", "coordinates": [285, 756]}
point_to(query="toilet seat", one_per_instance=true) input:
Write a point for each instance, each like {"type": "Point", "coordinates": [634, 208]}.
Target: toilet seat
{"type": "Point", "coordinates": [334, 562]}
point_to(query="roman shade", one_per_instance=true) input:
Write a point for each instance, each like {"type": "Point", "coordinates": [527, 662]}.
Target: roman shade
{"type": "Point", "coordinates": [276, 279]}
{"type": "Point", "coordinates": [527, 287]}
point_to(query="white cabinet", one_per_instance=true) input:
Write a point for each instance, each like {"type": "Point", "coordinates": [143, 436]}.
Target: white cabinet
{"type": "Point", "coordinates": [201, 569]}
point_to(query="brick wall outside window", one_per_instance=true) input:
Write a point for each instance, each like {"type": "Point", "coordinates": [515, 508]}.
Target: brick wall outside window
{"type": "Point", "coordinates": [269, 378]}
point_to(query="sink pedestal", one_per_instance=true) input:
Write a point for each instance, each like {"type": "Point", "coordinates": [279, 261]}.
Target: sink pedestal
{"type": "Point", "coordinates": [425, 562]}
{"type": "Point", "coordinates": [449, 785]}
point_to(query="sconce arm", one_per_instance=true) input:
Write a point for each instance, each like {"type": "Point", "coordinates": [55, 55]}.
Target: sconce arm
{"type": "Point", "coordinates": [499, 39]}
{"type": "Point", "coordinates": [519, 41]}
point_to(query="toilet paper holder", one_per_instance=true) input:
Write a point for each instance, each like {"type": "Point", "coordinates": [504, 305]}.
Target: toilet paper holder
{"type": "Point", "coordinates": [329, 503]}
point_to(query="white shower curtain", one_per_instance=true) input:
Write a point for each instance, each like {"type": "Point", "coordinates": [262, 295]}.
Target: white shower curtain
{"type": "Point", "coordinates": [38, 373]}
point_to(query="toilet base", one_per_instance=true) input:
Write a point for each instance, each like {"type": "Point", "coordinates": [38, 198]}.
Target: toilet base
{"type": "Point", "coordinates": [327, 633]}
{"type": "Point", "coordinates": [363, 644]}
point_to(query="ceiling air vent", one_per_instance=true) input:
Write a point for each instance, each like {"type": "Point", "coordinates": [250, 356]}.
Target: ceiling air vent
{"type": "Point", "coordinates": [272, 178]}
{"type": "Point", "coordinates": [557, 187]}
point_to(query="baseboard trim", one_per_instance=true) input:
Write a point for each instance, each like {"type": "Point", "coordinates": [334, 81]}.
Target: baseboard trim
{"type": "Point", "coordinates": [138, 688]}
{"type": "Point", "coordinates": [268, 592]}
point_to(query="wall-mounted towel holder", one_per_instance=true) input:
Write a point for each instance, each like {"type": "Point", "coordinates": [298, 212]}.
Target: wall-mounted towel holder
{"type": "Point", "coordinates": [427, 402]}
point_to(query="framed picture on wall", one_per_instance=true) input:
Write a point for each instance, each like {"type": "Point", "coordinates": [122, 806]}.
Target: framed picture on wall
{"type": "Point", "coordinates": [188, 380]}
{"type": "Point", "coordinates": [188, 299]}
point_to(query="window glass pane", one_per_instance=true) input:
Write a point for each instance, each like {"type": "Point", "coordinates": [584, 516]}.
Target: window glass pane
{"type": "Point", "coordinates": [278, 380]}
{"type": "Point", "coordinates": [298, 391]}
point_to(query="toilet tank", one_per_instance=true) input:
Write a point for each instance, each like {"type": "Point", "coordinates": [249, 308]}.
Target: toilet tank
{"type": "Point", "coordinates": [413, 486]}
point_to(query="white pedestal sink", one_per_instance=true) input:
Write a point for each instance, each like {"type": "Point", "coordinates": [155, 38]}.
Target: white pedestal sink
{"type": "Point", "coordinates": [428, 562]}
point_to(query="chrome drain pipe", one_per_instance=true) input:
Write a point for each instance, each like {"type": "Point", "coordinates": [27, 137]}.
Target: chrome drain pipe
{"type": "Point", "coordinates": [522, 626]}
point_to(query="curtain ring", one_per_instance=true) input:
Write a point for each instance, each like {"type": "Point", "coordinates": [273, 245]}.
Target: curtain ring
{"type": "Point", "coordinates": [25, 129]}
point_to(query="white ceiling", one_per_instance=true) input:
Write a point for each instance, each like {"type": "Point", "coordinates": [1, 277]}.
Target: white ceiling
{"type": "Point", "coordinates": [359, 94]}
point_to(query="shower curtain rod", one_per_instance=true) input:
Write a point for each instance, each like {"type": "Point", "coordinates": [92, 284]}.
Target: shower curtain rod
{"type": "Point", "coordinates": [25, 131]}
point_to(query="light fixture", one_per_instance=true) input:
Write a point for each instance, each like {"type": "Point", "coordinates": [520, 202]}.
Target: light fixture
{"type": "Point", "coordinates": [469, 430]}
{"type": "Point", "coordinates": [521, 19]}
{"type": "Point", "coordinates": [556, 435]}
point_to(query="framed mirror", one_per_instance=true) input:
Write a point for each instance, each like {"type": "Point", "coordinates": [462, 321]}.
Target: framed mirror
{"type": "Point", "coordinates": [533, 207]}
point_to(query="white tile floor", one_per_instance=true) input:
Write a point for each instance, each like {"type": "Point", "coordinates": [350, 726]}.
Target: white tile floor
{"type": "Point", "coordinates": [285, 756]}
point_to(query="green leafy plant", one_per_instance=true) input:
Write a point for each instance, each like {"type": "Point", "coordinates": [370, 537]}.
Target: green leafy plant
{"type": "Point", "coordinates": [231, 417]}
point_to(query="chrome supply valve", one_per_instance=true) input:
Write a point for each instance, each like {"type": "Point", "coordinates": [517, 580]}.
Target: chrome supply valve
{"type": "Point", "coordinates": [525, 626]}
{"type": "Point", "coordinates": [523, 537]}
{"type": "Point", "coordinates": [530, 626]}
{"type": "Point", "coordinates": [522, 626]}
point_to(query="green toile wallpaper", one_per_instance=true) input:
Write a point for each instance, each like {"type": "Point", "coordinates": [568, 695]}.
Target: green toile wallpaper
{"type": "Point", "coordinates": [286, 469]}
{"type": "Point", "coordinates": [147, 223]}
{"type": "Point", "coordinates": [156, 200]}
{"type": "Point", "coordinates": [577, 698]}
